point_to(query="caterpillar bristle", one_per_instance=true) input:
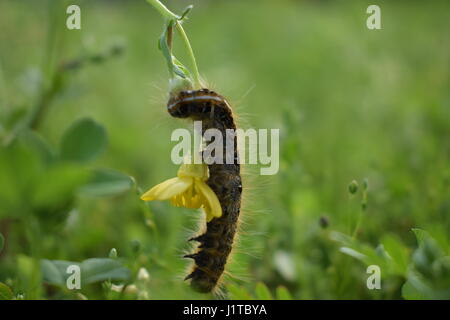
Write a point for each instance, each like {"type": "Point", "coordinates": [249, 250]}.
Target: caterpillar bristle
{"type": "Point", "coordinates": [189, 276]}
{"type": "Point", "coordinates": [191, 256]}
{"type": "Point", "coordinates": [200, 238]}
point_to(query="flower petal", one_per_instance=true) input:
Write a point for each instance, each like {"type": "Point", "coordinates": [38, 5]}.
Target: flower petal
{"type": "Point", "coordinates": [199, 171]}
{"type": "Point", "coordinates": [208, 212]}
{"type": "Point", "coordinates": [196, 201]}
{"type": "Point", "coordinates": [177, 201]}
{"type": "Point", "coordinates": [210, 201]}
{"type": "Point", "coordinates": [168, 189]}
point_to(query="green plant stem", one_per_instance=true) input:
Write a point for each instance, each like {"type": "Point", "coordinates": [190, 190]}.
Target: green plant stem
{"type": "Point", "coordinates": [166, 13]}
{"type": "Point", "coordinates": [188, 46]}
{"type": "Point", "coordinates": [169, 15]}
{"type": "Point", "coordinates": [358, 224]}
{"type": "Point", "coordinates": [45, 101]}
{"type": "Point", "coordinates": [33, 236]}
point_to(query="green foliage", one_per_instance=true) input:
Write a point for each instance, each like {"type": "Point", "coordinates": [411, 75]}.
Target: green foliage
{"type": "Point", "coordinates": [91, 271]}
{"type": "Point", "coordinates": [261, 292]}
{"type": "Point", "coordinates": [84, 141]}
{"type": "Point", "coordinates": [427, 270]}
{"type": "Point", "coordinates": [181, 77]}
{"type": "Point", "coordinates": [351, 104]}
{"type": "Point", "coordinates": [5, 292]}
{"type": "Point", "coordinates": [429, 275]}
{"type": "Point", "coordinates": [283, 293]}
{"type": "Point", "coordinates": [106, 182]}
{"type": "Point", "coordinates": [238, 293]}
{"type": "Point", "coordinates": [397, 252]}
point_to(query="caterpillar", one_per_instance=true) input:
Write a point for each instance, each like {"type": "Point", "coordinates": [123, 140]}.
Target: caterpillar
{"type": "Point", "coordinates": [224, 179]}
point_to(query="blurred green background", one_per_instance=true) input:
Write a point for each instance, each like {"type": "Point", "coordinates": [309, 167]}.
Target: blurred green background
{"type": "Point", "coordinates": [83, 111]}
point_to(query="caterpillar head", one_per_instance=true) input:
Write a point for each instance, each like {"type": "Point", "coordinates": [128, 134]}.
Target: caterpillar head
{"type": "Point", "coordinates": [196, 104]}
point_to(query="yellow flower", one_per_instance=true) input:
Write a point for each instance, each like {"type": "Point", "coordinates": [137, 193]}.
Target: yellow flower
{"type": "Point", "coordinates": [188, 190]}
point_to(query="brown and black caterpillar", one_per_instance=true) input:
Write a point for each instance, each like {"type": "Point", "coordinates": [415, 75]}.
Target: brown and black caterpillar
{"type": "Point", "coordinates": [224, 179]}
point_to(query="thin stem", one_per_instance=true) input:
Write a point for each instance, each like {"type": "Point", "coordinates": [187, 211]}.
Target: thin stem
{"type": "Point", "coordinates": [188, 46]}
{"type": "Point", "coordinates": [166, 13]}
{"type": "Point", "coordinates": [45, 100]}
{"type": "Point", "coordinates": [358, 223]}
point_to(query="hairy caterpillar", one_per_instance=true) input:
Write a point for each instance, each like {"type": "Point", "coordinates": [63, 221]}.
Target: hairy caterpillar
{"type": "Point", "coordinates": [224, 179]}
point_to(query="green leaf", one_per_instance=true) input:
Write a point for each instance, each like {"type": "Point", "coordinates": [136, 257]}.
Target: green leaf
{"type": "Point", "coordinates": [425, 256]}
{"type": "Point", "coordinates": [59, 185]}
{"type": "Point", "coordinates": [186, 11]}
{"type": "Point", "coordinates": [101, 269]}
{"type": "Point", "coordinates": [175, 66]}
{"type": "Point", "coordinates": [37, 143]}
{"type": "Point", "coordinates": [341, 238]}
{"type": "Point", "coordinates": [353, 253]}
{"type": "Point", "coordinates": [238, 293]}
{"type": "Point", "coordinates": [106, 182]}
{"type": "Point", "coordinates": [180, 69]}
{"type": "Point", "coordinates": [438, 238]}
{"type": "Point", "coordinates": [25, 267]}
{"type": "Point", "coordinates": [84, 141]}
{"type": "Point", "coordinates": [282, 293]}
{"type": "Point", "coordinates": [16, 118]}
{"type": "Point", "coordinates": [92, 270]}
{"type": "Point", "coordinates": [2, 242]}
{"type": "Point", "coordinates": [409, 292]}
{"type": "Point", "coordinates": [164, 47]}
{"type": "Point", "coordinates": [5, 292]}
{"type": "Point", "coordinates": [54, 272]}
{"type": "Point", "coordinates": [421, 235]}
{"type": "Point", "coordinates": [53, 195]}
{"type": "Point", "coordinates": [20, 169]}
{"type": "Point", "coordinates": [415, 289]}
{"type": "Point", "coordinates": [262, 292]}
{"type": "Point", "coordinates": [398, 252]}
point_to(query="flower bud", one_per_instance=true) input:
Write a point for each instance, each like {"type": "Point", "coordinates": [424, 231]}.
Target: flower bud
{"type": "Point", "coordinates": [353, 187]}
{"type": "Point", "coordinates": [131, 289]}
{"type": "Point", "coordinates": [113, 253]}
{"type": "Point", "coordinates": [143, 274]}
{"type": "Point", "coordinates": [135, 246]}
{"type": "Point", "coordinates": [117, 288]}
{"type": "Point", "coordinates": [177, 84]}
{"type": "Point", "coordinates": [324, 222]}
{"type": "Point", "coordinates": [365, 184]}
